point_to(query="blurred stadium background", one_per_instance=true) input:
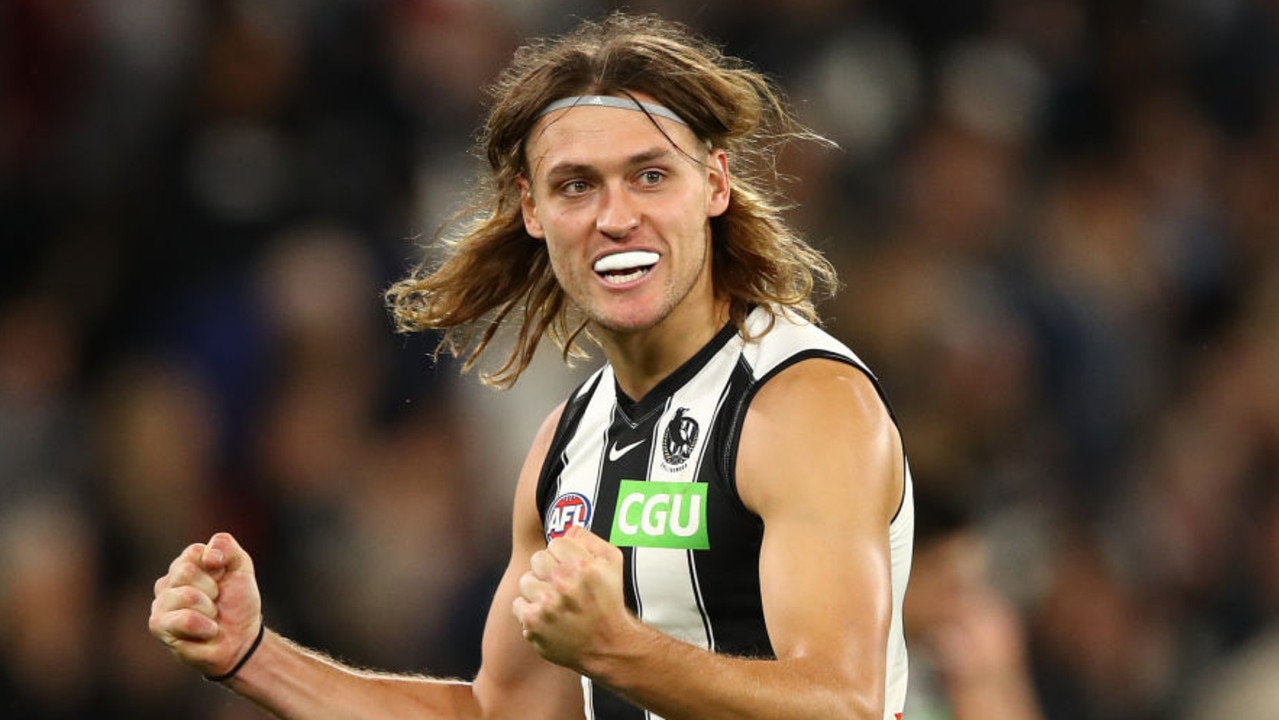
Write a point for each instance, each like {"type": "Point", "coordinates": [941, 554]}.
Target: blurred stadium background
{"type": "Point", "coordinates": [1057, 223]}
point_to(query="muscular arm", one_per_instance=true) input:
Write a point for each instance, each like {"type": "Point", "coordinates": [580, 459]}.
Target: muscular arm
{"type": "Point", "coordinates": [206, 610]}
{"type": "Point", "coordinates": [820, 463]}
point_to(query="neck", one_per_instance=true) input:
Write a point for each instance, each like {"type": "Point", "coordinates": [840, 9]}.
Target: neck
{"type": "Point", "coordinates": [644, 358]}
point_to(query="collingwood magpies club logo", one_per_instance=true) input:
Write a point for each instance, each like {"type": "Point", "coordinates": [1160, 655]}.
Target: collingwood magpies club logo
{"type": "Point", "coordinates": [679, 439]}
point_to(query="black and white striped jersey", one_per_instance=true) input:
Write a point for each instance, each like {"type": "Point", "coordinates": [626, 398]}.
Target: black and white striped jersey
{"type": "Point", "coordinates": [656, 478]}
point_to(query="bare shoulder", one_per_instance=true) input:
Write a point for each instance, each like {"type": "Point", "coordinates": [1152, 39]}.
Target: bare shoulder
{"type": "Point", "coordinates": [816, 397]}
{"type": "Point", "coordinates": [526, 490]}
{"type": "Point", "coordinates": [823, 382]}
{"type": "Point", "coordinates": [820, 421]}
{"type": "Point", "coordinates": [546, 433]}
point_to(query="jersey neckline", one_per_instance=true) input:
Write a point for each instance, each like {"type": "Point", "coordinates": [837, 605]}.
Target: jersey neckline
{"type": "Point", "coordinates": [636, 410]}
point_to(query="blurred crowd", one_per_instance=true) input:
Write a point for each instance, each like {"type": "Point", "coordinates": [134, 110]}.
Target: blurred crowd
{"type": "Point", "coordinates": [1057, 226]}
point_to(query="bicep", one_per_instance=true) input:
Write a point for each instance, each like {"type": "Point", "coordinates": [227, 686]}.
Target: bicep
{"type": "Point", "coordinates": [514, 681]}
{"type": "Point", "coordinates": [826, 484]}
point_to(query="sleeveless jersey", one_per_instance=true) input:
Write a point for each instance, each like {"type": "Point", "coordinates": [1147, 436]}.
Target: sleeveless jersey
{"type": "Point", "coordinates": [657, 479]}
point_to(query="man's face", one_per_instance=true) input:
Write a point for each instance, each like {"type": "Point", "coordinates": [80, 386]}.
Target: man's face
{"type": "Point", "coordinates": [625, 213]}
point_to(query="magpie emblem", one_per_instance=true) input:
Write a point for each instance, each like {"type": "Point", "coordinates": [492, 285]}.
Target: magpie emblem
{"type": "Point", "coordinates": [680, 438]}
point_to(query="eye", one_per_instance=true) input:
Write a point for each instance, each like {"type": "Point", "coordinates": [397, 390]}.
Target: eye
{"type": "Point", "coordinates": [574, 187]}
{"type": "Point", "coordinates": [651, 177]}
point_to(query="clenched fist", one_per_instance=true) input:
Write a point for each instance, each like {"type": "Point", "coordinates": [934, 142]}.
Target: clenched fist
{"type": "Point", "coordinates": [571, 603]}
{"type": "Point", "coordinates": [207, 608]}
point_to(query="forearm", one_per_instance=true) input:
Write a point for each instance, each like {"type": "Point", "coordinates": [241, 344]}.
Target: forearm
{"type": "Point", "coordinates": [681, 682]}
{"type": "Point", "coordinates": [297, 684]}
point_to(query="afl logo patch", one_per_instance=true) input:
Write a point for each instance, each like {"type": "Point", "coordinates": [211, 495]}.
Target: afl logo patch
{"type": "Point", "coordinates": [568, 510]}
{"type": "Point", "coordinates": [679, 439]}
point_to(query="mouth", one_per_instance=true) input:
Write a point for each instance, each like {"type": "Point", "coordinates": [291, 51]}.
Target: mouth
{"type": "Point", "coordinates": [623, 267]}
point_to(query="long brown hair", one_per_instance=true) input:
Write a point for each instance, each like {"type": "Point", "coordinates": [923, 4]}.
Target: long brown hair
{"type": "Point", "coordinates": [495, 273]}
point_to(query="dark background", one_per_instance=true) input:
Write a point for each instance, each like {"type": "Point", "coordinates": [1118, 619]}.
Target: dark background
{"type": "Point", "coordinates": [1056, 223]}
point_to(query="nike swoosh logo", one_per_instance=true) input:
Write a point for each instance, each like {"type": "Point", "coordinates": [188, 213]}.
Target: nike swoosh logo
{"type": "Point", "coordinates": [615, 453]}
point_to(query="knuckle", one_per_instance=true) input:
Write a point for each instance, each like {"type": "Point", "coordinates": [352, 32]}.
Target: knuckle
{"type": "Point", "coordinates": [190, 552]}
{"type": "Point", "coordinates": [188, 596]}
{"type": "Point", "coordinates": [181, 573]}
{"type": "Point", "coordinates": [191, 623]}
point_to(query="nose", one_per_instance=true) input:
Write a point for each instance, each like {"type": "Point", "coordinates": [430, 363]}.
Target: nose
{"type": "Point", "coordinates": [618, 216]}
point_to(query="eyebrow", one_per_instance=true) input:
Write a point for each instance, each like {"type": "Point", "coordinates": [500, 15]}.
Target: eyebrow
{"type": "Point", "coordinates": [570, 169]}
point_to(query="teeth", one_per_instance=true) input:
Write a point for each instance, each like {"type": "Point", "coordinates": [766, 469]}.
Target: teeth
{"type": "Point", "coordinates": [616, 279]}
{"type": "Point", "coordinates": [632, 260]}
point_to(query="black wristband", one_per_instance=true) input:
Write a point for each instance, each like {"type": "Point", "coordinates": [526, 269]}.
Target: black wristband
{"type": "Point", "coordinates": [252, 649]}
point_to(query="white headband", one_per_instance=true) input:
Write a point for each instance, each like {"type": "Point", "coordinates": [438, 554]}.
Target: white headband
{"type": "Point", "coordinates": [621, 103]}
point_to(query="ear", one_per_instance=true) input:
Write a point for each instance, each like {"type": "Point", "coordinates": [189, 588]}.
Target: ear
{"type": "Point", "coordinates": [719, 185]}
{"type": "Point", "coordinates": [528, 209]}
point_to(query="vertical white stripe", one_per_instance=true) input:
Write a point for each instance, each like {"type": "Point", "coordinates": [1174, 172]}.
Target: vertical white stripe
{"type": "Point", "coordinates": [587, 447]}
{"type": "Point", "coordinates": [588, 698]}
